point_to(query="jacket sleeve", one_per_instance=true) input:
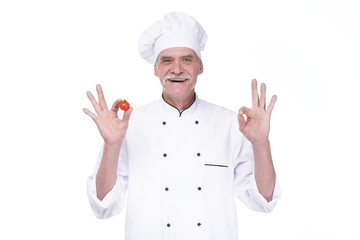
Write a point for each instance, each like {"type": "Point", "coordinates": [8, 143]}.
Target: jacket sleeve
{"type": "Point", "coordinates": [245, 187]}
{"type": "Point", "coordinates": [115, 200]}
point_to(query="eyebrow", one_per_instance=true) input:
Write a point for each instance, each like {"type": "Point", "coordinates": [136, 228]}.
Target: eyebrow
{"type": "Point", "coordinates": [164, 57]}
{"type": "Point", "coordinates": [188, 56]}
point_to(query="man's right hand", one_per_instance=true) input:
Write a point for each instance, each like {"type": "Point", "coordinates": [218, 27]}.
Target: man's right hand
{"type": "Point", "coordinates": [111, 128]}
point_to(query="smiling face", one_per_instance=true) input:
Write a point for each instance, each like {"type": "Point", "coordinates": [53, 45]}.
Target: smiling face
{"type": "Point", "coordinates": [177, 69]}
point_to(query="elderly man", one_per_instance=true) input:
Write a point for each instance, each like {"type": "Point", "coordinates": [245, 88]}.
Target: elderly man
{"type": "Point", "coordinates": [181, 160]}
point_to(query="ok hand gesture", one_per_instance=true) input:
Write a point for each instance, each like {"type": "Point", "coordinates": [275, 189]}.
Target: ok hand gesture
{"type": "Point", "coordinates": [256, 126]}
{"type": "Point", "coordinates": [111, 128]}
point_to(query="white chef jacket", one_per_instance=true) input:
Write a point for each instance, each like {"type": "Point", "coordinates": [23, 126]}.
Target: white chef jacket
{"type": "Point", "coordinates": [181, 171]}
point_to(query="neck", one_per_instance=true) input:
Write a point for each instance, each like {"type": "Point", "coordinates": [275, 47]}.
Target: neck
{"type": "Point", "coordinates": [180, 103]}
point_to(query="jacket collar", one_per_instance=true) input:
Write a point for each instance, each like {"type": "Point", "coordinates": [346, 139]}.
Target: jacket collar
{"type": "Point", "coordinates": [172, 110]}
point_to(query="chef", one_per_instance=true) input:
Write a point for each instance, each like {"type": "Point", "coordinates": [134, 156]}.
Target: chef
{"type": "Point", "coordinates": [178, 163]}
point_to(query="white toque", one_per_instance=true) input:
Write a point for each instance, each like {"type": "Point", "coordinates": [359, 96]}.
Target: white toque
{"type": "Point", "coordinates": [175, 30]}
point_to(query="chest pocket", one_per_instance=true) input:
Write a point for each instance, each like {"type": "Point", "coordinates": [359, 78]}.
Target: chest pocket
{"type": "Point", "coordinates": [215, 165]}
{"type": "Point", "coordinates": [216, 173]}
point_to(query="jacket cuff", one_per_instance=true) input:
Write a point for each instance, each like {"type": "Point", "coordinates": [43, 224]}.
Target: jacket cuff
{"type": "Point", "coordinates": [111, 204]}
{"type": "Point", "coordinates": [259, 199]}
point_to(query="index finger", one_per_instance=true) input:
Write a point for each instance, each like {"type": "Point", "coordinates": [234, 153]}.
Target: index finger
{"type": "Point", "coordinates": [254, 93]}
{"type": "Point", "coordinates": [115, 106]}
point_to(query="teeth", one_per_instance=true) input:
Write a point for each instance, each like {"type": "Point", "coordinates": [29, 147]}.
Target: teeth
{"type": "Point", "coordinates": [177, 80]}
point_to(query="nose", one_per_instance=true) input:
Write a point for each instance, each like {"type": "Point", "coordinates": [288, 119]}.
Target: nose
{"type": "Point", "coordinates": [177, 67]}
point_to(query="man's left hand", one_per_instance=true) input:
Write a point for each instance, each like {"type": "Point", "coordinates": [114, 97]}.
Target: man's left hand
{"type": "Point", "coordinates": [256, 126]}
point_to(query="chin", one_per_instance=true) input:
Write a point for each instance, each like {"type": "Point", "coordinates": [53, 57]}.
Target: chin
{"type": "Point", "coordinates": [178, 95]}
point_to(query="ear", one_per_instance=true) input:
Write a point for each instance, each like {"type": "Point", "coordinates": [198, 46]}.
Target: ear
{"type": "Point", "coordinates": [156, 72]}
{"type": "Point", "coordinates": [201, 67]}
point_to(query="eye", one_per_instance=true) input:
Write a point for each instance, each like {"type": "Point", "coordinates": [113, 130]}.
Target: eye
{"type": "Point", "coordinates": [187, 60]}
{"type": "Point", "coordinates": [166, 61]}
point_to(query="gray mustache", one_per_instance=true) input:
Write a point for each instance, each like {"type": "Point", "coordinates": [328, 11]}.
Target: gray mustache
{"type": "Point", "coordinates": [170, 76]}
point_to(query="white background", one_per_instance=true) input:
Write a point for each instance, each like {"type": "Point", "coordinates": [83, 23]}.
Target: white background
{"type": "Point", "coordinates": [52, 52]}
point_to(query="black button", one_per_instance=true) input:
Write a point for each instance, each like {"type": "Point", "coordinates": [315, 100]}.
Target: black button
{"type": "Point", "coordinates": [199, 188]}
{"type": "Point", "coordinates": [199, 224]}
{"type": "Point", "coordinates": [196, 122]}
{"type": "Point", "coordinates": [164, 123]}
{"type": "Point", "coordinates": [168, 225]}
{"type": "Point", "coordinates": [198, 154]}
{"type": "Point", "coordinates": [165, 155]}
{"type": "Point", "coordinates": [166, 189]}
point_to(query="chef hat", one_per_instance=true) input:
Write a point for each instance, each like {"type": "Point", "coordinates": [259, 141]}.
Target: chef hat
{"type": "Point", "coordinates": [175, 30]}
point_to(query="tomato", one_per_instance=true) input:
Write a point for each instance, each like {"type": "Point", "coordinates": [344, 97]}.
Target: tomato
{"type": "Point", "coordinates": [124, 105]}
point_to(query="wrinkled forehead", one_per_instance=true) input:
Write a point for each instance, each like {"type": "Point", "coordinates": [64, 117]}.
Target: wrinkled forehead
{"type": "Point", "coordinates": [177, 52]}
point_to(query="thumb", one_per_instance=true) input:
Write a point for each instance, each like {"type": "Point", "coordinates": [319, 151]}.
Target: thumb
{"type": "Point", "coordinates": [127, 114]}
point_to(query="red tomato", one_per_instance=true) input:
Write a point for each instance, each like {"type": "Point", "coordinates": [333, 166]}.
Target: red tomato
{"type": "Point", "coordinates": [124, 105]}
